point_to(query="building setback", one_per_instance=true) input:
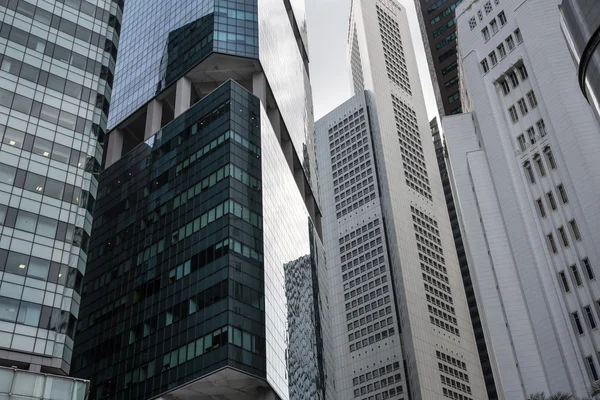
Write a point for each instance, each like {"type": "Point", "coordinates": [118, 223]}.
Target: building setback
{"type": "Point", "coordinates": [204, 277]}
{"type": "Point", "coordinates": [386, 230]}
{"type": "Point", "coordinates": [525, 169]}
{"type": "Point", "coordinates": [56, 73]}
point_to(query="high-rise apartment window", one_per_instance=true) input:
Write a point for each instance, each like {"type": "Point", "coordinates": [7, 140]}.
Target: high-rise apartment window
{"type": "Point", "coordinates": [522, 142]}
{"type": "Point", "coordinates": [454, 97]}
{"type": "Point", "coordinates": [518, 35]}
{"type": "Point", "coordinates": [522, 106]}
{"type": "Point", "coordinates": [552, 244]}
{"type": "Point", "coordinates": [494, 25]}
{"type": "Point", "coordinates": [540, 205]}
{"type": "Point", "coordinates": [564, 238]}
{"type": "Point", "coordinates": [484, 65]}
{"type": "Point", "coordinates": [540, 165]}
{"type": "Point", "coordinates": [551, 200]}
{"type": "Point", "coordinates": [588, 268]}
{"type": "Point", "coordinates": [592, 368]}
{"type": "Point", "coordinates": [575, 229]}
{"type": "Point", "coordinates": [493, 58]}
{"type": "Point", "coordinates": [577, 323]}
{"type": "Point", "coordinates": [523, 72]}
{"type": "Point", "coordinates": [529, 172]}
{"type": "Point", "coordinates": [501, 50]}
{"type": "Point", "coordinates": [502, 18]}
{"type": "Point", "coordinates": [563, 193]}
{"type": "Point", "coordinates": [590, 316]}
{"type": "Point", "coordinates": [531, 134]}
{"type": "Point", "coordinates": [513, 114]}
{"type": "Point", "coordinates": [510, 42]}
{"type": "Point", "coordinates": [564, 281]}
{"type": "Point", "coordinates": [505, 87]}
{"type": "Point", "coordinates": [541, 127]}
{"type": "Point", "coordinates": [550, 157]}
{"type": "Point", "coordinates": [486, 33]}
{"type": "Point", "coordinates": [513, 79]}
{"type": "Point", "coordinates": [532, 100]}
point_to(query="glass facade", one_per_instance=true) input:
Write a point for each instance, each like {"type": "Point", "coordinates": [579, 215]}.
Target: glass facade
{"type": "Point", "coordinates": [56, 72]}
{"type": "Point", "coordinates": [25, 385]}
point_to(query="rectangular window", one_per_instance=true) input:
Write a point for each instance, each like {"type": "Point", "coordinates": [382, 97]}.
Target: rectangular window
{"type": "Point", "coordinates": [531, 134]}
{"type": "Point", "coordinates": [540, 166]}
{"type": "Point", "coordinates": [590, 316]}
{"type": "Point", "coordinates": [494, 25]}
{"type": "Point", "coordinates": [510, 42]}
{"type": "Point", "coordinates": [541, 127]}
{"type": "Point", "coordinates": [505, 87]}
{"type": "Point", "coordinates": [564, 281]}
{"type": "Point", "coordinates": [513, 114]}
{"type": "Point", "coordinates": [563, 237]}
{"type": "Point", "coordinates": [501, 50]}
{"type": "Point", "coordinates": [502, 18]}
{"type": "Point", "coordinates": [575, 229]}
{"type": "Point", "coordinates": [563, 193]}
{"type": "Point", "coordinates": [484, 65]}
{"type": "Point", "coordinates": [518, 35]}
{"type": "Point", "coordinates": [493, 58]}
{"type": "Point", "coordinates": [513, 79]}
{"type": "Point", "coordinates": [576, 276]}
{"type": "Point", "coordinates": [551, 200]}
{"type": "Point", "coordinates": [532, 100]}
{"type": "Point", "coordinates": [486, 34]}
{"type": "Point", "coordinates": [551, 243]}
{"type": "Point", "coordinates": [523, 72]}
{"type": "Point", "coordinates": [592, 368]}
{"type": "Point", "coordinates": [577, 323]}
{"type": "Point", "coordinates": [522, 106]}
{"type": "Point", "coordinates": [522, 142]}
{"type": "Point", "coordinates": [588, 268]}
{"type": "Point", "coordinates": [529, 172]}
{"type": "Point", "coordinates": [540, 205]}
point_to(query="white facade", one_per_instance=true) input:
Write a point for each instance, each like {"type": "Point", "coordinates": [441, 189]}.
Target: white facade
{"type": "Point", "coordinates": [527, 178]}
{"type": "Point", "coordinates": [436, 340]}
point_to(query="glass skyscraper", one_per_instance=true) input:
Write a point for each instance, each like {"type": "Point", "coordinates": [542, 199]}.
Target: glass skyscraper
{"type": "Point", "coordinates": [56, 72]}
{"type": "Point", "coordinates": [204, 272]}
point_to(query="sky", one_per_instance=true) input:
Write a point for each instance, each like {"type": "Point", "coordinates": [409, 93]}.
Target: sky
{"type": "Point", "coordinates": [329, 70]}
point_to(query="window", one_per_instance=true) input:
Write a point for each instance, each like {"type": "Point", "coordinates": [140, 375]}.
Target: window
{"type": "Point", "coordinates": [541, 127]}
{"type": "Point", "coordinates": [590, 316]}
{"type": "Point", "coordinates": [26, 221]}
{"type": "Point", "coordinates": [575, 229]}
{"type": "Point", "coordinates": [592, 368]}
{"type": "Point", "coordinates": [501, 50]}
{"type": "Point", "coordinates": [472, 23]}
{"type": "Point", "coordinates": [494, 25]}
{"type": "Point", "coordinates": [588, 268]}
{"type": "Point", "coordinates": [486, 33]}
{"type": "Point", "coordinates": [510, 42]}
{"type": "Point", "coordinates": [531, 134]}
{"type": "Point", "coordinates": [522, 142]}
{"type": "Point", "coordinates": [518, 35]}
{"type": "Point", "coordinates": [523, 72]}
{"type": "Point", "coordinates": [540, 165]}
{"type": "Point", "coordinates": [454, 97]}
{"type": "Point", "coordinates": [479, 15]}
{"type": "Point", "coordinates": [529, 172]}
{"type": "Point", "coordinates": [551, 200]}
{"type": "Point", "coordinates": [540, 205]}
{"type": "Point", "coordinates": [513, 79]}
{"type": "Point", "coordinates": [532, 100]}
{"type": "Point", "coordinates": [505, 87]}
{"type": "Point", "coordinates": [552, 243]}
{"type": "Point", "coordinates": [563, 193]}
{"type": "Point", "coordinates": [564, 281]}
{"type": "Point", "coordinates": [576, 275]}
{"type": "Point", "coordinates": [565, 240]}
{"type": "Point", "coordinates": [487, 7]}
{"type": "Point", "coordinates": [513, 114]}
{"type": "Point", "coordinates": [484, 65]}
{"type": "Point", "coordinates": [577, 322]}
{"type": "Point", "coordinates": [493, 58]}
{"type": "Point", "coordinates": [523, 106]}
{"type": "Point", "coordinates": [502, 18]}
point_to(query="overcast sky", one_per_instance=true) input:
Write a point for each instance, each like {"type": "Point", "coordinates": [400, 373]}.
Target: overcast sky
{"type": "Point", "coordinates": [329, 71]}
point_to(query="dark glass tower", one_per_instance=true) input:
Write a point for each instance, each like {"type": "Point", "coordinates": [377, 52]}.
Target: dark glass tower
{"type": "Point", "coordinates": [204, 273]}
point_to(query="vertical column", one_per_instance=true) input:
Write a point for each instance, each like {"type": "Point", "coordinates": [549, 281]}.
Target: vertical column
{"type": "Point", "coordinates": [259, 87]}
{"type": "Point", "coordinates": [153, 118]}
{"type": "Point", "coordinates": [114, 148]}
{"type": "Point", "coordinates": [183, 96]}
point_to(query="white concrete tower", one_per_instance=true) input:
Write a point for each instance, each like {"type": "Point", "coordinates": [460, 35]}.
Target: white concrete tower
{"type": "Point", "coordinates": [436, 337]}
{"type": "Point", "coordinates": [527, 176]}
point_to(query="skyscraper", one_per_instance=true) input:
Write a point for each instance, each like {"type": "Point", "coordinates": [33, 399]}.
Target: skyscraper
{"type": "Point", "coordinates": [207, 243]}
{"type": "Point", "coordinates": [525, 167]}
{"type": "Point", "coordinates": [56, 67]}
{"type": "Point", "coordinates": [395, 283]}
{"type": "Point", "coordinates": [438, 29]}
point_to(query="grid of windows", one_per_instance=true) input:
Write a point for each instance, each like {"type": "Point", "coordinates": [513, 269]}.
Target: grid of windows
{"type": "Point", "coordinates": [413, 158]}
{"type": "Point", "coordinates": [454, 377]}
{"type": "Point", "coordinates": [355, 65]}
{"type": "Point", "coordinates": [381, 383]}
{"type": "Point", "coordinates": [393, 52]}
